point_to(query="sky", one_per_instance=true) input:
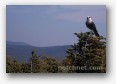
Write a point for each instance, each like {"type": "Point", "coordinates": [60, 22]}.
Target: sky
{"type": "Point", "coordinates": [51, 25]}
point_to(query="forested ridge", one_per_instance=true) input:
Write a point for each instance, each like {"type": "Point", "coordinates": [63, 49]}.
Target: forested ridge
{"type": "Point", "coordinates": [87, 55]}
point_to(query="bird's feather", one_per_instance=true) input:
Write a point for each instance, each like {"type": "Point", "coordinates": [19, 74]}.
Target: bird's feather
{"type": "Point", "coordinates": [92, 27]}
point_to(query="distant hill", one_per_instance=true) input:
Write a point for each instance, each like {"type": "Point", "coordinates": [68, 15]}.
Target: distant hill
{"type": "Point", "coordinates": [15, 43]}
{"type": "Point", "coordinates": [22, 51]}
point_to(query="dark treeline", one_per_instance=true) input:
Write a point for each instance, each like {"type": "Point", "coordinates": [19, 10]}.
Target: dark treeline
{"type": "Point", "coordinates": [88, 55]}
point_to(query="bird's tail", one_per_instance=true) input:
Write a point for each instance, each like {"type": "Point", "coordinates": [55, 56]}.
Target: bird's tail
{"type": "Point", "coordinates": [96, 33]}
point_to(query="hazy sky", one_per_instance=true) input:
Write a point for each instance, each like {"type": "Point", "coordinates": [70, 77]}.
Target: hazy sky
{"type": "Point", "coordinates": [51, 25]}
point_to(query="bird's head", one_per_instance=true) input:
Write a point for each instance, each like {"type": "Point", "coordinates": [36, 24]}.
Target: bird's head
{"type": "Point", "coordinates": [89, 19]}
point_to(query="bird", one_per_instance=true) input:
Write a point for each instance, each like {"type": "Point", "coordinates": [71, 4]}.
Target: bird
{"type": "Point", "coordinates": [90, 24]}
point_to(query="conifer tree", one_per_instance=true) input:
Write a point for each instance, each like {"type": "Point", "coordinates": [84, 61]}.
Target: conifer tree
{"type": "Point", "coordinates": [35, 62]}
{"type": "Point", "coordinates": [49, 65]}
{"type": "Point", "coordinates": [89, 51]}
{"type": "Point", "coordinates": [25, 67]}
{"type": "Point", "coordinates": [8, 64]}
{"type": "Point", "coordinates": [12, 65]}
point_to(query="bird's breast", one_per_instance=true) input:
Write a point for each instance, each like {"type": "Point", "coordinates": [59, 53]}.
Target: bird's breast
{"type": "Point", "coordinates": [89, 24]}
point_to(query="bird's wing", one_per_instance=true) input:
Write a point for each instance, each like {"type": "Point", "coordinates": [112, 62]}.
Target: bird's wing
{"type": "Point", "coordinates": [94, 29]}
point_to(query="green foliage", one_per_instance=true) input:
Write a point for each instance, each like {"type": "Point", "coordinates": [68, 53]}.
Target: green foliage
{"type": "Point", "coordinates": [35, 65]}
{"type": "Point", "coordinates": [89, 51]}
{"type": "Point", "coordinates": [35, 62]}
{"type": "Point", "coordinates": [12, 65]}
{"type": "Point", "coordinates": [25, 68]}
{"type": "Point", "coordinates": [8, 64]}
{"type": "Point", "coordinates": [49, 65]}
